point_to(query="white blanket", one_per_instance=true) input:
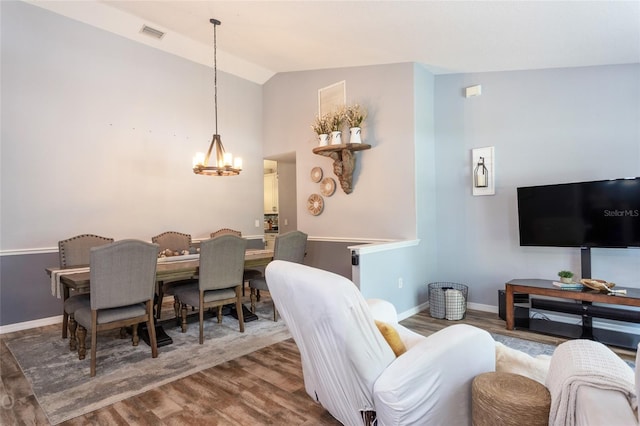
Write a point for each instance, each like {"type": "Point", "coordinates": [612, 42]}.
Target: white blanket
{"type": "Point", "coordinates": [578, 363]}
{"type": "Point", "coordinates": [509, 360]}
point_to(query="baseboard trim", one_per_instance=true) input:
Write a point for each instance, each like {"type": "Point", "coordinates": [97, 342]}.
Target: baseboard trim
{"type": "Point", "coordinates": [19, 326]}
{"type": "Point", "coordinates": [4, 329]}
{"type": "Point", "coordinates": [483, 308]}
{"type": "Point", "coordinates": [410, 312]}
{"type": "Point", "coordinates": [475, 306]}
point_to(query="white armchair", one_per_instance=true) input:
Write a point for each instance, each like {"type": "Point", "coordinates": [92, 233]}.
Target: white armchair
{"type": "Point", "coordinates": [350, 369]}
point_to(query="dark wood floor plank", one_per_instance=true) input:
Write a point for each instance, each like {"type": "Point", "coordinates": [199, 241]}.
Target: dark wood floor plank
{"type": "Point", "coordinates": [159, 403]}
{"type": "Point", "coordinates": [133, 411]}
{"type": "Point", "coordinates": [262, 388]}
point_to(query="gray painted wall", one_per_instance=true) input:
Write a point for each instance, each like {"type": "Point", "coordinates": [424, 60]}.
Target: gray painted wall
{"type": "Point", "coordinates": [25, 288]}
{"type": "Point", "coordinates": [547, 126]}
{"type": "Point", "coordinates": [331, 256]}
{"type": "Point", "coordinates": [382, 204]}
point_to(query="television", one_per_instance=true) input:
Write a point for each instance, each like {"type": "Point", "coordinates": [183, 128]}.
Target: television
{"type": "Point", "coordinates": [603, 213]}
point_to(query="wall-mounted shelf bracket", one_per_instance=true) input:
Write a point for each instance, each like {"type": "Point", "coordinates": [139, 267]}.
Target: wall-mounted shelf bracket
{"type": "Point", "coordinates": [344, 161]}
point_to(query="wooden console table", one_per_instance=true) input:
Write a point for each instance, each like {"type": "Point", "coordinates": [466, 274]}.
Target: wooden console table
{"type": "Point", "coordinates": [585, 295]}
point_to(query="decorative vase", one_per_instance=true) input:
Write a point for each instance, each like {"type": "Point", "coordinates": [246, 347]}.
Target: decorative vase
{"type": "Point", "coordinates": [566, 280]}
{"type": "Point", "coordinates": [354, 135]}
{"type": "Point", "coordinates": [324, 139]}
{"type": "Point", "coordinates": [336, 138]}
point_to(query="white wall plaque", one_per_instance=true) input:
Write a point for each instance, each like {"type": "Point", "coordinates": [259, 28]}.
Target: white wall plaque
{"type": "Point", "coordinates": [331, 98]}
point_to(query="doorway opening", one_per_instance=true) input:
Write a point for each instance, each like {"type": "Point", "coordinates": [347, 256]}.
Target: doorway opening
{"type": "Point", "coordinates": [280, 201]}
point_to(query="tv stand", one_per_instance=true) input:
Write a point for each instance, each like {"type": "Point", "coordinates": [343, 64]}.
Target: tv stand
{"type": "Point", "coordinates": [586, 309]}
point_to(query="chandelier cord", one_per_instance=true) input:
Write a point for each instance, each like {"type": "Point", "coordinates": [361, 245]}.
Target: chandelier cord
{"type": "Point", "coordinates": [215, 76]}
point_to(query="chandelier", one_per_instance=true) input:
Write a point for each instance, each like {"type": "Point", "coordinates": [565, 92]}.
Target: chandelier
{"type": "Point", "coordinates": [223, 164]}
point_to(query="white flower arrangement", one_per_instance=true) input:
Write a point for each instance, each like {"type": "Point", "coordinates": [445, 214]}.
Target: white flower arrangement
{"type": "Point", "coordinates": [354, 115]}
{"type": "Point", "coordinates": [322, 125]}
{"type": "Point", "coordinates": [336, 119]}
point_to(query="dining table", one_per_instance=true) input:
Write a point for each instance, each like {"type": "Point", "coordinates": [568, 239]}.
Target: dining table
{"type": "Point", "coordinates": [173, 268]}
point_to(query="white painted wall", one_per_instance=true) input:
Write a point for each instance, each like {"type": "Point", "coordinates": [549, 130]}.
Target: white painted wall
{"type": "Point", "coordinates": [98, 135]}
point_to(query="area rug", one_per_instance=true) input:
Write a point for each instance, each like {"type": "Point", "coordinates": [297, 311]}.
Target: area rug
{"type": "Point", "coordinates": [527, 346]}
{"type": "Point", "coordinates": [64, 389]}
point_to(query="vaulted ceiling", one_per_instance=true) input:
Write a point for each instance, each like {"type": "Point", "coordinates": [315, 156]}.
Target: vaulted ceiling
{"type": "Point", "coordinates": [260, 38]}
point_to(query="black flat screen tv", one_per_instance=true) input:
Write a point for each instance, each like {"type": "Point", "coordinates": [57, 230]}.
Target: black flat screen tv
{"type": "Point", "coordinates": [602, 213]}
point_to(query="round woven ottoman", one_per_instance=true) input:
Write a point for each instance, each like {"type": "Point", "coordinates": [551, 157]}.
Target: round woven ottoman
{"type": "Point", "coordinates": [509, 399]}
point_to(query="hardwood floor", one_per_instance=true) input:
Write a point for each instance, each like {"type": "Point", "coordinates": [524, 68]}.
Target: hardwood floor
{"type": "Point", "coordinates": [263, 388]}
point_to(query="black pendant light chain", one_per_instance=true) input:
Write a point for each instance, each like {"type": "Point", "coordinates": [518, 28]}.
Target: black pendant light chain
{"type": "Point", "coordinates": [215, 23]}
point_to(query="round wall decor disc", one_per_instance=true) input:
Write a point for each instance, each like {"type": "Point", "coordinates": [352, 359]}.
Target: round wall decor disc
{"type": "Point", "coordinates": [316, 174]}
{"type": "Point", "coordinates": [315, 204]}
{"type": "Point", "coordinates": [328, 187]}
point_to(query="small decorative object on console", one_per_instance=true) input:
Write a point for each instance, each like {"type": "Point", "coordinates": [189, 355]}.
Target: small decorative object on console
{"type": "Point", "coordinates": [600, 285]}
{"type": "Point", "coordinates": [566, 277]}
{"type": "Point", "coordinates": [565, 286]}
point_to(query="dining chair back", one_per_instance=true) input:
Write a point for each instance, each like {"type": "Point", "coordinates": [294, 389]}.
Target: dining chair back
{"type": "Point", "coordinates": [226, 231]}
{"type": "Point", "coordinates": [123, 273]}
{"type": "Point", "coordinates": [122, 283]}
{"type": "Point", "coordinates": [175, 242]}
{"type": "Point", "coordinates": [221, 262]}
{"type": "Point", "coordinates": [74, 252]}
{"type": "Point", "coordinates": [250, 273]}
{"type": "Point", "coordinates": [220, 280]}
{"type": "Point", "coordinates": [290, 247]}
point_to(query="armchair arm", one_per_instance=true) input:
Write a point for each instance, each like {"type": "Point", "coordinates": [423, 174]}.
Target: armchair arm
{"type": "Point", "coordinates": [383, 310]}
{"type": "Point", "coordinates": [431, 382]}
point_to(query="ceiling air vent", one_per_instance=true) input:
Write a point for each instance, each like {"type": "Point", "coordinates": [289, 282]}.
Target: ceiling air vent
{"type": "Point", "coordinates": [152, 32]}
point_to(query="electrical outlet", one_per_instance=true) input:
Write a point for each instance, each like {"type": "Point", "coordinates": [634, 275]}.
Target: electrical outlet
{"type": "Point", "coordinates": [400, 283]}
{"type": "Point", "coordinates": [257, 223]}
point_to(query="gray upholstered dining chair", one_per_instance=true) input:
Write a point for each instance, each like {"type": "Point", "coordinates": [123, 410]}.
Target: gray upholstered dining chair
{"type": "Point", "coordinates": [249, 274]}
{"type": "Point", "coordinates": [75, 252]}
{"type": "Point", "coordinates": [176, 242]}
{"type": "Point", "coordinates": [291, 247]}
{"type": "Point", "coordinates": [219, 282]}
{"type": "Point", "coordinates": [122, 283]}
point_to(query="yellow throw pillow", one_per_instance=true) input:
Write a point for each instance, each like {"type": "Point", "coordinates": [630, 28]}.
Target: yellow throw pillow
{"type": "Point", "coordinates": [392, 337]}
